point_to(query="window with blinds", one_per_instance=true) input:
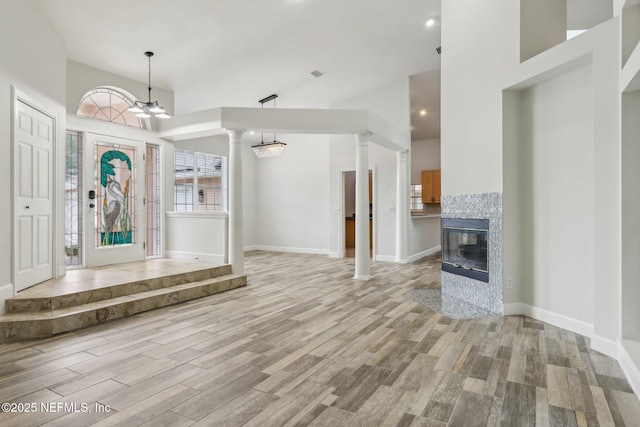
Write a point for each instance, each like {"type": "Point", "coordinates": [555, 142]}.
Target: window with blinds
{"type": "Point", "coordinates": [200, 182]}
{"type": "Point", "coordinates": [416, 197]}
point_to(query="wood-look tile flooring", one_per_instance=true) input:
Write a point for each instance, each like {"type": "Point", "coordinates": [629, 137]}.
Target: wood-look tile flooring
{"type": "Point", "coordinates": [305, 344]}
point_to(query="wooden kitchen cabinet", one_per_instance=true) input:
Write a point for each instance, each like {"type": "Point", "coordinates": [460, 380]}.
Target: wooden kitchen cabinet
{"type": "Point", "coordinates": [431, 186]}
{"type": "Point", "coordinates": [350, 233]}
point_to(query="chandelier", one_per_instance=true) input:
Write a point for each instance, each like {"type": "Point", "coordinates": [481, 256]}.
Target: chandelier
{"type": "Point", "coordinates": [144, 110]}
{"type": "Point", "coordinates": [269, 149]}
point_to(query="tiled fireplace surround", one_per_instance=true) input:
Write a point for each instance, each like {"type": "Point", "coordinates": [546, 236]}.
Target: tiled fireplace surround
{"type": "Point", "coordinates": [487, 296]}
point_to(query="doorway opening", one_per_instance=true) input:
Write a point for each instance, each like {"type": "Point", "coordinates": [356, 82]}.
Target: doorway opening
{"type": "Point", "coordinates": [349, 192]}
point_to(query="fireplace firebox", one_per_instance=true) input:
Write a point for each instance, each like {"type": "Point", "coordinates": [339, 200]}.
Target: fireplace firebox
{"type": "Point", "coordinates": [464, 247]}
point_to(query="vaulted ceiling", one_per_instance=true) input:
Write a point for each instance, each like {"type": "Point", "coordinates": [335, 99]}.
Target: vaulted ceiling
{"type": "Point", "coordinates": [235, 52]}
{"type": "Point", "coordinates": [215, 53]}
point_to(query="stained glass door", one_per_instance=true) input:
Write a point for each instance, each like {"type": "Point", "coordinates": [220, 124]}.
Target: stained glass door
{"type": "Point", "coordinates": [115, 201]}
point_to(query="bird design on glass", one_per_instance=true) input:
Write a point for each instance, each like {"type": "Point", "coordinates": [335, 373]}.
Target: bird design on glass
{"type": "Point", "coordinates": [115, 205]}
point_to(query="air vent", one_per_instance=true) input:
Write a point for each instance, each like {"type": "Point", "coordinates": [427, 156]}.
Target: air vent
{"type": "Point", "coordinates": [316, 73]}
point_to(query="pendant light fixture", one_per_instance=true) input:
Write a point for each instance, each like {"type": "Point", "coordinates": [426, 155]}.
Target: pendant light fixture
{"type": "Point", "coordinates": [269, 149]}
{"type": "Point", "coordinates": [144, 110]}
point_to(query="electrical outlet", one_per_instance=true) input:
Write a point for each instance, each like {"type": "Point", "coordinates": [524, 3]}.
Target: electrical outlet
{"type": "Point", "coordinates": [509, 283]}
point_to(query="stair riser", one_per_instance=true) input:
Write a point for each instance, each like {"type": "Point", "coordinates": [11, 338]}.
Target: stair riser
{"type": "Point", "coordinates": [53, 303]}
{"type": "Point", "coordinates": [48, 327]}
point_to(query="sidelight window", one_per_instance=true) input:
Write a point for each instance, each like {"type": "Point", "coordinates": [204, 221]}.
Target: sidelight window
{"type": "Point", "coordinates": [73, 199]}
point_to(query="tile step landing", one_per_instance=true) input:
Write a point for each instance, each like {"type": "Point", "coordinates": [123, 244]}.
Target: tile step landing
{"type": "Point", "coordinates": [21, 324]}
{"type": "Point", "coordinates": [34, 303]}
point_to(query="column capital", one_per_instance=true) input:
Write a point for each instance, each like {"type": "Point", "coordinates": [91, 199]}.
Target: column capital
{"type": "Point", "coordinates": [403, 155]}
{"type": "Point", "coordinates": [362, 138]}
{"type": "Point", "coordinates": [235, 134]}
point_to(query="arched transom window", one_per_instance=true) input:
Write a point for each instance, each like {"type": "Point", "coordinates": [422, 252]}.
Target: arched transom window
{"type": "Point", "coordinates": [108, 105]}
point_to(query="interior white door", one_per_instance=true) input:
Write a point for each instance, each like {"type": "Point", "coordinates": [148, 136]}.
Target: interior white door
{"type": "Point", "coordinates": [33, 180]}
{"type": "Point", "coordinates": [114, 209]}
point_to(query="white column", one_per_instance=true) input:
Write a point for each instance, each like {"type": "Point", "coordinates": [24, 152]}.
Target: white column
{"type": "Point", "coordinates": [236, 243]}
{"type": "Point", "coordinates": [363, 265]}
{"type": "Point", "coordinates": [402, 208]}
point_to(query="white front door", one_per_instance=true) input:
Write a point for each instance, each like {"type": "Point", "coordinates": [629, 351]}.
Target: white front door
{"type": "Point", "coordinates": [114, 200]}
{"type": "Point", "coordinates": [33, 180]}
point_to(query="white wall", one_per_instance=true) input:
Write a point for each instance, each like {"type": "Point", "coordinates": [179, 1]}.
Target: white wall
{"type": "Point", "coordinates": [29, 46]}
{"type": "Point", "coordinates": [425, 155]}
{"type": "Point", "coordinates": [630, 214]}
{"type": "Point", "coordinates": [391, 102]}
{"type": "Point", "coordinates": [516, 261]}
{"type": "Point", "coordinates": [543, 24]}
{"type": "Point", "coordinates": [630, 31]}
{"type": "Point", "coordinates": [292, 196]}
{"type": "Point", "coordinates": [424, 237]}
{"type": "Point", "coordinates": [476, 59]}
{"type": "Point", "coordinates": [585, 14]}
{"type": "Point", "coordinates": [197, 235]}
{"type": "Point", "coordinates": [424, 233]}
{"type": "Point", "coordinates": [557, 192]}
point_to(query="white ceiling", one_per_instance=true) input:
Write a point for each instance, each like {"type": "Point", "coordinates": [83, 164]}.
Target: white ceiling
{"type": "Point", "coordinates": [234, 52]}
{"type": "Point", "coordinates": [214, 53]}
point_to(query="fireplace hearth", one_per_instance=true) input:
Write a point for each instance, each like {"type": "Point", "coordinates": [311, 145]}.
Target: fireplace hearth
{"type": "Point", "coordinates": [464, 247]}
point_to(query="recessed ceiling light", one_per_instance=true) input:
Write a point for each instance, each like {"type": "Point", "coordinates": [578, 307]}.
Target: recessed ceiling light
{"type": "Point", "coordinates": [430, 22]}
{"type": "Point", "coordinates": [423, 112]}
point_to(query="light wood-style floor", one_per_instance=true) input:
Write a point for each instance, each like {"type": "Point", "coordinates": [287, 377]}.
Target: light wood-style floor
{"type": "Point", "coordinates": [305, 344]}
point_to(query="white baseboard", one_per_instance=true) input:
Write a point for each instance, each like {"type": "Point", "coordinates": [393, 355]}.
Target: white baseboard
{"type": "Point", "coordinates": [559, 320]}
{"type": "Point", "coordinates": [424, 253]}
{"type": "Point", "coordinates": [6, 291]}
{"type": "Point", "coordinates": [629, 367]}
{"type": "Point", "coordinates": [598, 343]}
{"type": "Point", "coordinates": [513, 309]}
{"type": "Point", "coordinates": [605, 346]}
{"type": "Point", "coordinates": [218, 259]}
{"type": "Point", "coordinates": [62, 271]}
{"type": "Point", "coordinates": [286, 249]}
{"type": "Point", "coordinates": [386, 258]}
